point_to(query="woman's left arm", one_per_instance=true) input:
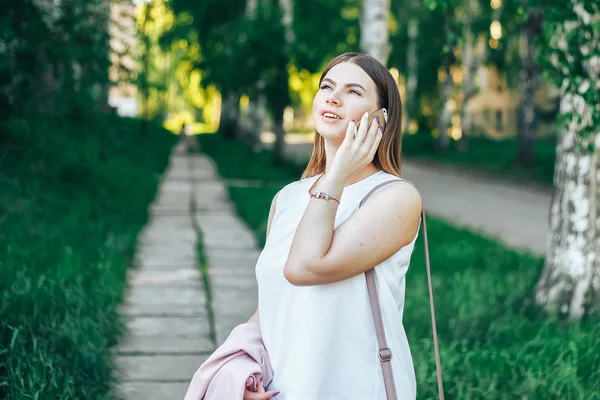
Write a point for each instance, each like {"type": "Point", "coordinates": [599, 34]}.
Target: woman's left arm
{"type": "Point", "coordinates": [387, 222]}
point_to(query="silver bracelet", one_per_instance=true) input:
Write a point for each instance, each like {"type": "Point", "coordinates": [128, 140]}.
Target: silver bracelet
{"type": "Point", "coordinates": [323, 196]}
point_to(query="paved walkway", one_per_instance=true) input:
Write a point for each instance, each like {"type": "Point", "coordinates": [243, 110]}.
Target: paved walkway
{"type": "Point", "coordinates": [176, 311]}
{"type": "Point", "coordinates": [514, 214]}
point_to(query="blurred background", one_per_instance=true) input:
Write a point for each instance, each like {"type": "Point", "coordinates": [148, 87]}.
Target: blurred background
{"type": "Point", "coordinates": [501, 128]}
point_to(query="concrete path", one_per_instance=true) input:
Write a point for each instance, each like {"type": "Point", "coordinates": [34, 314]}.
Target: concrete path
{"type": "Point", "coordinates": [514, 214]}
{"type": "Point", "coordinates": [176, 310]}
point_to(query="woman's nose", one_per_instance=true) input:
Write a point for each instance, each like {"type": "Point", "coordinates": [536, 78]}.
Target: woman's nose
{"type": "Point", "coordinates": [331, 100]}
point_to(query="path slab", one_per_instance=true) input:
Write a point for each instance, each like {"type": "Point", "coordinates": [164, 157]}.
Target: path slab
{"type": "Point", "coordinates": [153, 390]}
{"type": "Point", "coordinates": [148, 368]}
{"type": "Point", "coordinates": [171, 345]}
{"type": "Point", "coordinates": [171, 300]}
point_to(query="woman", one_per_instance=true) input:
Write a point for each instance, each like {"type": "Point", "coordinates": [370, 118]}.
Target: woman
{"type": "Point", "coordinates": [313, 305]}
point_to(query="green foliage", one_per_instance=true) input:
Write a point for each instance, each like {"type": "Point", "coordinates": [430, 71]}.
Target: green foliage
{"type": "Point", "coordinates": [244, 164]}
{"type": "Point", "coordinates": [487, 156]}
{"type": "Point", "coordinates": [571, 56]}
{"type": "Point", "coordinates": [494, 343]}
{"type": "Point", "coordinates": [313, 49]}
{"type": "Point", "coordinates": [57, 58]}
{"type": "Point", "coordinates": [74, 198]}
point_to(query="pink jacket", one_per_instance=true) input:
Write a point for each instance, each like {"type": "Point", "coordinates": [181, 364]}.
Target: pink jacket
{"type": "Point", "coordinates": [223, 375]}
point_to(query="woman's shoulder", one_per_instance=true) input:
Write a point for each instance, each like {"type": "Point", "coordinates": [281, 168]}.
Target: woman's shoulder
{"type": "Point", "coordinates": [393, 188]}
{"type": "Point", "coordinates": [386, 176]}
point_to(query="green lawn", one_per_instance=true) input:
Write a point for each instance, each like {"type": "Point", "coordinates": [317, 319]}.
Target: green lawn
{"type": "Point", "coordinates": [74, 198]}
{"type": "Point", "coordinates": [487, 156]}
{"type": "Point", "coordinates": [495, 344]}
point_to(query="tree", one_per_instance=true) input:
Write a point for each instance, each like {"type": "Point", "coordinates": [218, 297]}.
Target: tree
{"type": "Point", "coordinates": [530, 78]}
{"type": "Point", "coordinates": [474, 17]}
{"type": "Point", "coordinates": [412, 61]}
{"type": "Point", "coordinates": [374, 39]}
{"type": "Point", "coordinates": [55, 58]}
{"type": "Point", "coordinates": [570, 281]}
{"type": "Point", "coordinates": [280, 82]}
{"type": "Point", "coordinates": [220, 27]}
{"type": "Point", "coordinates": [447, 8]}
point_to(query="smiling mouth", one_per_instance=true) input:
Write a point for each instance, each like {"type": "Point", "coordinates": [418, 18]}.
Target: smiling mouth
{"type": "Point", "coordinates": [330, 115]}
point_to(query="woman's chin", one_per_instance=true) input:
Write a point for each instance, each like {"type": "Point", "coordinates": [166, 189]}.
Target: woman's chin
{"type": "Point", "coordinates": [331, 133]}
{"type": "Point", "coordinates": [333, 137]}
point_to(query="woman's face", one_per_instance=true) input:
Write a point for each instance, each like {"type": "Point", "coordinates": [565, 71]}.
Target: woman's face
{"type": "Point", "coordinates": [345, 94]}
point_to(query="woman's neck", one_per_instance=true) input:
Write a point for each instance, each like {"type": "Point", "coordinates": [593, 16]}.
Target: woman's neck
{"type": "Point", "coordinates": [365, 172]}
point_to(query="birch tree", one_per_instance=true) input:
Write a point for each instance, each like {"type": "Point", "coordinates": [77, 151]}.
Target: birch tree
{"type": "Point", "coordinates": [570, 281]}
{"type": "Point", "coordinates": [473, 18]}
{"type": "Point", "coordinates": [255, 116]}
{"type": "Point", "coordinates": [447, 9]}
{"type": "Point", "coordinates": [374, 36]}
{"type": "Point", "coordinates": [529, 81]}
{"type": "Point", "coordinates": [282, 77]}
{"type": "Point", "coordinates": [412, 62]}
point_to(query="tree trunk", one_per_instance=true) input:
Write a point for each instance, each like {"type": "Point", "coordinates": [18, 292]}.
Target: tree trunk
{"type": "Point", "coordinates": [444, 119]}
{"type": "Point", "coordinates": [287, 19]}
{"type": "Point", "coordinates": [412, 67]}
{"type": "Point", "coordinates": [529, 82]}
{"type": "Point", "coordinates": [471, 61]}
{"type": "Point", "coordinates": [570, 282]}
{"type": "Point", "coordinates": [256, 106]}
{"type": "Point", "coordinates": [228, 124]}
{"type": "Point", "coordinates": [374, 37]}
{"type": "Point", "coordinates": [571, 276]}
{"type": "Point", "coordinates": [279, 145]}
{"type": "Point", "coordinates": [254, 121]}
{"type": "Point", "coordinates": [145, 83]}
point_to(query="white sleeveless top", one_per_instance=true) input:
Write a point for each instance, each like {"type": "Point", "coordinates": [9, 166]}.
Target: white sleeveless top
{"type": "Point", "coordinates": [321, 339]}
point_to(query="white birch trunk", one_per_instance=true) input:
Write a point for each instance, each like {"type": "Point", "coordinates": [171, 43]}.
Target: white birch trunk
{"type": "Point", "coordinates": [254, 119]}
{"type": "Point", "coordinates": [287, 18]}
{"type": "Point", "coordinates": [374, 36]}
{"type": "Point", "coordinates": [412, 66]}
{"type": "Point", "coordinates": [529, 82]}
{"type": "Point", "coordinates": [472, 61]}
{"type": "Point", "coordinates": [251, 8]}
{"type": "Point", "coordinates": [445, 116]}
{"type": "Point", "coordinates": [570, 282]}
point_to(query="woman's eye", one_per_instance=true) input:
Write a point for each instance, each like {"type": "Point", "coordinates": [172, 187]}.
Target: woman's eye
{"type": "Point", "coordinates": [325, 86]}
{"type": "Point", "coordinates": [352, 91]}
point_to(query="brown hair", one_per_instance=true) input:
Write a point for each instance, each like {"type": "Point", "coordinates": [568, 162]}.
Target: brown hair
{"type": "Point", "coordinates": [388, 155]}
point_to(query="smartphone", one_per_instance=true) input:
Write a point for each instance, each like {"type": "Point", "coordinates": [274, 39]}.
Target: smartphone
{"type": "Point", "coordinates": [382, 114]}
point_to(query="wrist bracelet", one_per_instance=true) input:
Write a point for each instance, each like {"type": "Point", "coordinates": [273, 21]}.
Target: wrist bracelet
{"type": "Point", "coordinates": [323, 196]}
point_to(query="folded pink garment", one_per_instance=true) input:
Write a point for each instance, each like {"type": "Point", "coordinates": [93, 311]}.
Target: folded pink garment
{"type": "Point", "coordinates": [223, 375]}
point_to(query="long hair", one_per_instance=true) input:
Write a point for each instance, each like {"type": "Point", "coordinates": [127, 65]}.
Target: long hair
{"type": "Point", "coordinates": [388, 155]}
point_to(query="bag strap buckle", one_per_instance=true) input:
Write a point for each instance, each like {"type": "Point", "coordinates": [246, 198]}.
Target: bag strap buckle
{"type": "Point", "coordinates": [385, 354]}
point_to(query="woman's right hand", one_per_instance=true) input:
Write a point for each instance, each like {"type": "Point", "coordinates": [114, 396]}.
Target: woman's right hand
{"type": "Point", "coordinates": [260, 393]}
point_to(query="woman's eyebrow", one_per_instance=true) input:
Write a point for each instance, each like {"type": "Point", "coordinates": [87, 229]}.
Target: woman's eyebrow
{"type": "Point", "coordinates": [347, 85]}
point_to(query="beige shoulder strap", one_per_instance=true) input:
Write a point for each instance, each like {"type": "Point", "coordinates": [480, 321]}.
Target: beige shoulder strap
{"type": "Point", "coordinates": [385, 354]}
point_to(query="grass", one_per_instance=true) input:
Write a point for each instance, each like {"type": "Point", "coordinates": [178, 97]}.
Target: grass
{"type": "Point", "coordinates": [495, 344]}
{"type": "Point", "coordinates": [487, 156]}
{"type": "Point", "coordinates": [74, 198]}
